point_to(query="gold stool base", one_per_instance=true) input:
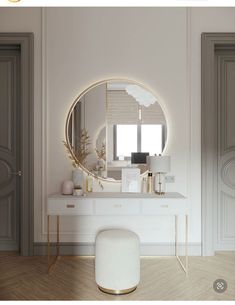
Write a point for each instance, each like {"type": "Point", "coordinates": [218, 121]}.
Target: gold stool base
{"type": "Point", "coordinates": [117, 292]}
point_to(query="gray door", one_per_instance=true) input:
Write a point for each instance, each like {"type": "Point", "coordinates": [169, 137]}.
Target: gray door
{"type": "Point", "coordinates": [9, 147]}
{"type": "Point", "coordinates": [225, 92]}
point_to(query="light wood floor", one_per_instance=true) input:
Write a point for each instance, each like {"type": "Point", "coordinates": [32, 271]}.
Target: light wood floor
{"type": "Point", "coordinates": [26, 278]}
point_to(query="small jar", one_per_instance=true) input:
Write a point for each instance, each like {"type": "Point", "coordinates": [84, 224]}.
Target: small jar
{"type": "Point", "coordinates": [77, 192]}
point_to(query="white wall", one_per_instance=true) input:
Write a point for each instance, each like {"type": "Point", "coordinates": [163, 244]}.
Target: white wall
{"type": "Point", "coordinates": [85, 48]}
{"type": "Point", "coordinates": [158, 47]}
{"type": "Point", "coordinates": [90, 44]}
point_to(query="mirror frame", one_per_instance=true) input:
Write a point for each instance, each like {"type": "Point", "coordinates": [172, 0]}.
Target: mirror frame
{"type": "Point", "coordinates": [101, 82]}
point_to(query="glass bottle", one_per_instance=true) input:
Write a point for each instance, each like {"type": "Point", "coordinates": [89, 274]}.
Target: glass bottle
{"type": "Point", "coordinates": [150, 183]}
{"type": "Point", "coordinates": [89, 184]}
{"type": "Point", "coordinates": [144, 185]}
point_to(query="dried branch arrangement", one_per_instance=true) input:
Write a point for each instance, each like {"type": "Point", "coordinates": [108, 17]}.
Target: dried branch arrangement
{"type": "Point", "coordinates": [74, 162]}
{"type": "Point", "coordinates": [101, 153]}
{"type": "Point", "coordinates": [81, 153]}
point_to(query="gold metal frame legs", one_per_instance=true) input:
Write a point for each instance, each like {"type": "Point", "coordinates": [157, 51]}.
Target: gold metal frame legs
{"type": "Point", "coordinates": [184, 267]}
{"type": "Point", "coordinates": [117, 292]}
{"type": "Point", "coordinates": [50, 264]}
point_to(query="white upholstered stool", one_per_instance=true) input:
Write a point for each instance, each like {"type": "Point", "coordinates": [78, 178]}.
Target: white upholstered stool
{"type": "Point", "coordinates": [117, 261]}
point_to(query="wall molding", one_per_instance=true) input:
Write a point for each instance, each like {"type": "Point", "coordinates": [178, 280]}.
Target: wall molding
{"type": "Point", "coordinates": [44, 120]}
{"type": "Point", "coordinates": [146, 249]}
{"type": "Point", "coordinates": [189, 97]}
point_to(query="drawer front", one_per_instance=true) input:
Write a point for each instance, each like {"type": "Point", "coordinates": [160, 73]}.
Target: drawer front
{"type": "Point", "coordinates": [118, 206]}
{"type": "Point", "coordinates": [70, 206]}
{"type": "Point", "coordinates": [164, 206]}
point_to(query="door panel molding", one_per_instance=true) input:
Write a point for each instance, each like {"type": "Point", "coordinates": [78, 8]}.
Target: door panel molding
{"type": "Point", "coordinates": [227, 233]}
{"type": "Point", "coordinates": [209, 134]}
{"type": "Point", "coordinates": [226, 143]}
{"type": "Point", "coordinates": [24, 41]}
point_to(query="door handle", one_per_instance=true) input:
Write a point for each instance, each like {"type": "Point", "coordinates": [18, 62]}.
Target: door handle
{"type": "Point", "coordinates": [19, 173]}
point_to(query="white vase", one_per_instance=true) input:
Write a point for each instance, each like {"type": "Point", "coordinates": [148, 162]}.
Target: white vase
{"type": "Point", "coordinates": [77, 177]}
{"type": "Point", "coordinates": [67, 187]}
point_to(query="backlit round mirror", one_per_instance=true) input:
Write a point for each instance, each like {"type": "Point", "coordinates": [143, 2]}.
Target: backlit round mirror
{"type": "Point", "coordinates": [115, 124]}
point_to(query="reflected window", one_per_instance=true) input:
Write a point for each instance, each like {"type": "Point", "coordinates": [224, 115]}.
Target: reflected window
{"type": "Point", "coordinates": [137, 138]}
{"type": "Point", "coordinates": [151, 139]}
{"type": "Point", "coordinates": [126, 140]}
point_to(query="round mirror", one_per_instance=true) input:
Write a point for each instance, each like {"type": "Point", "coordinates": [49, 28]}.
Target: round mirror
{"type": "Point", "coordinates": [115, 124]}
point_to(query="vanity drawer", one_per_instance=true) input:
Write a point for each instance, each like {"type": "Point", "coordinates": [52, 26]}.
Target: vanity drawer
{"type": "Point", "coordinates": [164, 206]}
{"type": "Point", "coordinates": [70, 206]}
{"type": "Point", "coordinates": [117, 206]}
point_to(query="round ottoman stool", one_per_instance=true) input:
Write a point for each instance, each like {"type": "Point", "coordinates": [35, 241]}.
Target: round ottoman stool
{"type": "Point", "coordinates": [117, 261]}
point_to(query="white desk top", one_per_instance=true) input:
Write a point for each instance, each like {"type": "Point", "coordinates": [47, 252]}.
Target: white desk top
{"type": "Point", "coordinates": [120, 195]}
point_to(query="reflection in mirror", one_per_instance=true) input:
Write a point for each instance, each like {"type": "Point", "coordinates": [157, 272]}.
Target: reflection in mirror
{"type": "Point", "coordinates": [110, 123]}
{"type": "Point", "coordinates": [87, 132]}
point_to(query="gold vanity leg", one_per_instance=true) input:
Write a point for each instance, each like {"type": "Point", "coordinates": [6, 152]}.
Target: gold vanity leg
{"type": "Point", "coordinates": [176, 235]}
{"type": "Point", "coordinates": [48, 243]}
{"type": "Point", "coordinates": [184, 267]}
{"type": "Point", "coordinates": [186, 243]}
{"type": "Point", "coordinates": [51, 265]}
{"type": "Point", "coordinates": [58, 237]}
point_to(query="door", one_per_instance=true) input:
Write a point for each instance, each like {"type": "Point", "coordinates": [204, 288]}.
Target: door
{"type": "Point", "coordinates": [218, 142]}
{"type": "Point", "coordinates": [225, 93]}
{"type": "Point", "coordinates": [10, 112]}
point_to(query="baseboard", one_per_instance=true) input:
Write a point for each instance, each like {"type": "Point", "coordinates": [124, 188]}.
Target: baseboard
{"type": "Point", "coordinates": [9, 247]}
{"type": "Point", "coordinates": [146, 249]}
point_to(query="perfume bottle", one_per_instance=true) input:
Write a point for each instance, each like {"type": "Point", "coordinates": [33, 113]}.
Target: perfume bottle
{"type": "Point", "coordinates": [150, 183]}
{"type": "Point", "coordinates": [144, 185]}
{"type": "Point", "coordinates": [89, 183]}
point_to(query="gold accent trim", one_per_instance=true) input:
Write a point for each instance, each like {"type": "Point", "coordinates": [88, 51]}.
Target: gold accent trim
{"type": "Point", "coordinates": [101, 82]}
{"type": "Point", "coordinates": [51, 265]}
{"type": "Point", "coordinates": [117, 292]}
{"type": "Point", "coordinates": [184, 266]}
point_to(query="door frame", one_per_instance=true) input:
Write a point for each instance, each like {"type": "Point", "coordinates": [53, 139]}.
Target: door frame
{"type": "Point", "coordinates": [209, 134]}
{"type": "Point", "coordinates": [26, 217]}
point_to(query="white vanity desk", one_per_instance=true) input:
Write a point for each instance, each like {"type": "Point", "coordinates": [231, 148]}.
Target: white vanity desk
{"type": "Point", "coordinates": [102, 203]}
